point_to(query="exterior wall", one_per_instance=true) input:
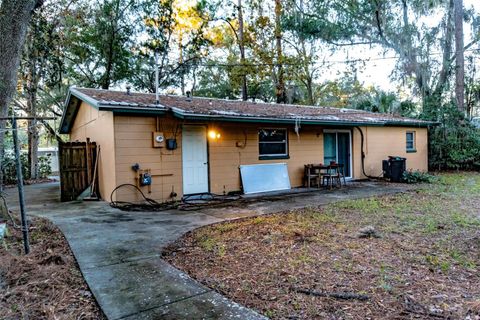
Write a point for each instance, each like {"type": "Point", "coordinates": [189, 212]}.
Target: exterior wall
{"type": "Point", "coordinates": [134, 144]}
{"type": "Point", "coordinates": [381, 142]}
{"type": "Point", "coordinates": [98, 126]}
{"type": "Point", "coordinates": [238, 145]}
{"type": "Point", "coordinates": [225, 157]}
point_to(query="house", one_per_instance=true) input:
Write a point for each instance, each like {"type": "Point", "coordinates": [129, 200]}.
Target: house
{"type": "Point", "coordinates": [192, 145]}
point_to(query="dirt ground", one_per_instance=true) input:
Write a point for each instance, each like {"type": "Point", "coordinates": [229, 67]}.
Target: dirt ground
{"type": "Point", "coordinates": [420, 261]}
{"type": "Point", "coordinates": [46, 284]}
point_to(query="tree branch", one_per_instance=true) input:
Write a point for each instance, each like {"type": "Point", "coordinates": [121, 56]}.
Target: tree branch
{"type": "Point", "coordinates": [51, 130]}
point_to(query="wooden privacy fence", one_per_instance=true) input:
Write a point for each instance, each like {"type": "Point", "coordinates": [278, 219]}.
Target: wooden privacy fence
{"type": "Point", "coordinates": [77, 161]}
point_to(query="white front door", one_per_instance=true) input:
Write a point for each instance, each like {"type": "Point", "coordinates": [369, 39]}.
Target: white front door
{"type": "Point", "coordinates": [195, 159]}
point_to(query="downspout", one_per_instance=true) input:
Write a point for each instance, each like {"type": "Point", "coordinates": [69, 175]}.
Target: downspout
{"type": "Point", "coordinates": [363, 155]}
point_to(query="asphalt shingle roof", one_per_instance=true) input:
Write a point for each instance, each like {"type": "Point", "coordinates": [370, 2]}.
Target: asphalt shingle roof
{"type": "Point", "coordinates": [227, 110]}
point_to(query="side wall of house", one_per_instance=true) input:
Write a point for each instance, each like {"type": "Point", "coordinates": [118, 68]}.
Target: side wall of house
{"type": "Point", "coordinates": [238, 145]}
{"type": "Point", "coordinates": [134, 144]}
{"type": "Point", "coordinates": [381, 142]}
{"type": "Point", "coordinates": [98, 126]}
{"type": "Point", "coordinates": [225, 157]}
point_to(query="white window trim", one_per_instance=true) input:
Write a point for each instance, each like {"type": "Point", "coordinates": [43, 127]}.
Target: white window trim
{"type": "Point", "coordinates": [273, 154]}
{"type": "Point", "coordinates": [414, 141]}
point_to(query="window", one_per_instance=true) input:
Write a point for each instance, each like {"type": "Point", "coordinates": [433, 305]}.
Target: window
{"type": "Point", "coordinates": [272, 143]}
{"type": "Point", "coordinates": [411, 141]}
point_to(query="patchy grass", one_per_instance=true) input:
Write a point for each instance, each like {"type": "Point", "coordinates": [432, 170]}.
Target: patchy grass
{"type": "Point", "coordinates": [47, 283]}
{"type": "Point", "coordinates": [426, 264]}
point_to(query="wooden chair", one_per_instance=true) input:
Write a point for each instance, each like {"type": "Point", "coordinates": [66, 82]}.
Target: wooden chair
{"type": "Point", "coordinates": [341, 173]}
{"type": "Point", "coordinates": [332, 176]}
{"type": "Point", "coordinates": [310, 175]}
{"type": "Point", "coordinates": [327, 177]}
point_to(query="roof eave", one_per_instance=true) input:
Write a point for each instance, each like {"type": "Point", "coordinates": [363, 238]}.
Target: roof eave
{"type": "Point", "coordinates": [84, 97]}
{"type": "Point", "coordinates": [65, 124]}
{"type": "Point", "coordinates": [425, 124]}
{"type": "Point", "coordinates": [69, 115]}
{"type": "Point", "coordinates": [130, 108]}
{"type": "Point", "coordinates": [133, 110]}
{"type": "Point", "coordinates": [65, 106]}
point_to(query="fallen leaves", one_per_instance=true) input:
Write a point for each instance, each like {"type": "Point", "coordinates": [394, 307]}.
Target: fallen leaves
{"type": "Point", "coordinates": [425, 264]}
{"type": "Point", "coordinates": [46, 284]}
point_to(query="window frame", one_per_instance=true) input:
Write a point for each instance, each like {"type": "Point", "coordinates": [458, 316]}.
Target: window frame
{"type": "Point", "coordinates": [414, 141]}
{"type": "Point", "coordinates": [276, 155]}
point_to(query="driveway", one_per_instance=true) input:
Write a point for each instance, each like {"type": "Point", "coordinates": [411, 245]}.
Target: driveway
{"type": "Point", "coordinates": [119, 252]}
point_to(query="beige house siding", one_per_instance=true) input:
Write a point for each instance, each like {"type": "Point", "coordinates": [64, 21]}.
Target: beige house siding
{"type": "Point", "coordinates": [126, 140]}
{"type": "Point", "coordinates": [381, 142]}
{"type": "Point", "coordinates": [226, 157]}
{"type": "Point", "coordinates": [98, 126]}
{"type": "Point", "coordinates": [134, 144]}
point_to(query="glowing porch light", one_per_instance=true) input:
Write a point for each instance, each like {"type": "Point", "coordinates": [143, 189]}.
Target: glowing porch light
{"type": "Point", "coordinates": [212, 134]}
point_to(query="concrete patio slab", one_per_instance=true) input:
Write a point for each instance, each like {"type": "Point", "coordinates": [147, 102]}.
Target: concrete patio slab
{"type": "Point", "coordinates": [156, 284]}
{"type": "Point", "coordinates": [209, 305]}
{"type": "Point", "coordinates": [119, 252]}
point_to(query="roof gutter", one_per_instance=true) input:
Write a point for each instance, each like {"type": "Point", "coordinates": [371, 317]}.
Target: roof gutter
{"type": "Point", "coordinates": [411, 124]}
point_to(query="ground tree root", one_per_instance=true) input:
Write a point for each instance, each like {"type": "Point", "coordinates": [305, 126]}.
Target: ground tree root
{"type": "Point", "coordinates": [336, 295]}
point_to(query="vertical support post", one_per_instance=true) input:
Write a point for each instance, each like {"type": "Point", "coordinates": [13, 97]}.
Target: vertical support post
{"type": "Point", "coordinates": [88, 157]}
{"type": "Point", "coordinates": [21, 198]}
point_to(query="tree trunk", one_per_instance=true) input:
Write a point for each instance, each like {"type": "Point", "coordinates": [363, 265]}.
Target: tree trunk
{"type": "Point", "coordinates": [432, 97]}
{"type": "Point", "coordinates": [33, 142]}
{"type": "Point", "coordinates": [280, 85]}
{"type": "Point", "coordinates": [180, 63]}
{"type": "Point", "coordinates": [459, 57]}
{"type": "Point", "coordinates": [110, 57]}
{"type": "Point", "coordinates": [14, 19]}
{"type": "Point", "coordinates": [241, 44]}
{"type": "Point", "coordinates": [3, 113]}
{"type": "Point", "coordinates": [310, 99]}
{"type": "Point", "coordinates": [32, 77]}
{"type": "Point", "coordinates": [194, 81]}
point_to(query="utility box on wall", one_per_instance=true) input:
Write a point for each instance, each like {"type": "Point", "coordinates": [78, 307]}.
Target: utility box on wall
{"type": "Point", "coordinates": [158, 140]}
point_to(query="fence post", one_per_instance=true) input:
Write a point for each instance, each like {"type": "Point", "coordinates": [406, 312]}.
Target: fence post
{"type": "Point", "coordinates": [21, 198]}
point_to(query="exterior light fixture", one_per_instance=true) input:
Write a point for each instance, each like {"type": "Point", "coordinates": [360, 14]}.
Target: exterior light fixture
{"type": "Point", "coordinates": [212, 134]}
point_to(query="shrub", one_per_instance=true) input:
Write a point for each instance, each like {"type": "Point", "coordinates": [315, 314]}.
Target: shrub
{"type": "Point", "coordinates": [10, 170]}
{"type": "Point", "coordinates": [44, 166]}
{"type": "Point", "coordinates": [411, 176]}
{"type": "Point", "coordinates": [455, 143]}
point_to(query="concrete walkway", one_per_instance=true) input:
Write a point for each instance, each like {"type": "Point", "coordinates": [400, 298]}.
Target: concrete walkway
{"type": "Point", "coordinates": [119, 252]}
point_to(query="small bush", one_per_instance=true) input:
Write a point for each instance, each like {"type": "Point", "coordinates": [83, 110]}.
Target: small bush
{"type": "Point", "coordinates": [10, 170]}
{"type": "Point", "coordinates": [455, 143]}
{"type": "Point", "coordinates": [44, 166]}
{"type": "Point", "coordinates": [417, 177]}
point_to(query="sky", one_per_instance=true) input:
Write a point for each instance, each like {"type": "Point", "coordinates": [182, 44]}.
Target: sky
{"type": "Point", "coordinates": [375, 66]}
{"type": "Point", "coordinates": [379, 65]}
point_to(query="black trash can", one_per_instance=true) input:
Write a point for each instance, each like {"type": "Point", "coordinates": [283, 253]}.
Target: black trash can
{"type": "Point", "coordinates": [394, 167]}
